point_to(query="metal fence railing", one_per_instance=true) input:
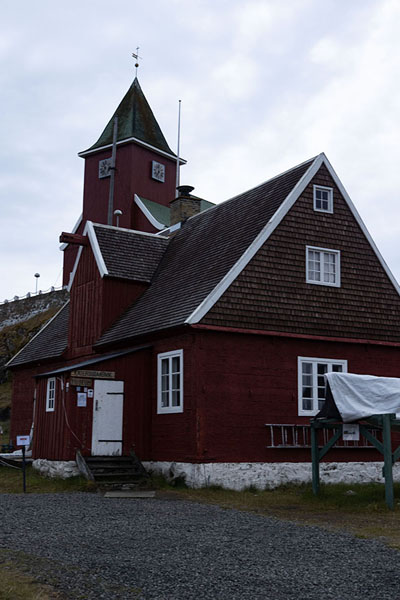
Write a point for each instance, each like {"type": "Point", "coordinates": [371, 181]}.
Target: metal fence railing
{"type": "Point", "coordinates": [33, 294]}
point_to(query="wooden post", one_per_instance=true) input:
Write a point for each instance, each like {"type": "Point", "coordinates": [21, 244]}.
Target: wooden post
{"type": "Point", "coordinates": [23, 469]}
{"type": "Point", "coordinates": [315, 459]}
{"type": "Point", "coordinates": [388, 463]}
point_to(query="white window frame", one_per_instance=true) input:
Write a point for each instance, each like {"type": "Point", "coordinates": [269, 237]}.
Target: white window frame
{"type": "Point", "coordinates": [330, 198]}
{"type": "Point", "coordinates": [169, 356]}
{"type": "Point", "coordinates": [324, 253]}
{"type": "Point", "coordinates": [315, 362]}
{"type": "Point", "coordinates": [50, 394]}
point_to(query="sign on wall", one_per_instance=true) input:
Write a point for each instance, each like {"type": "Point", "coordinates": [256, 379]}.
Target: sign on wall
{"type": "Point", "coordinates": [94, 374]}
{"type": "Point", "coordinates": [351, 433]}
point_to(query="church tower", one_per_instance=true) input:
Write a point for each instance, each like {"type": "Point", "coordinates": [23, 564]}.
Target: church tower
{"type": "Point", "coordinates": [144, 180]}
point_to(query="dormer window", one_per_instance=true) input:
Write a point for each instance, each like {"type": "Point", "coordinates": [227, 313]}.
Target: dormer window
{"type": "Point", "coordinates": [323, 199]}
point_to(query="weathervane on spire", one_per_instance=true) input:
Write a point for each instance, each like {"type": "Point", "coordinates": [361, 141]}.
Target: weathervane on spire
{"type": "Point", "coordinates": [137, 58]}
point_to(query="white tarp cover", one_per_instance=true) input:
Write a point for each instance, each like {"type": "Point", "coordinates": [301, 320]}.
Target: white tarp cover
{"type": "Point", "coordinates": [360, 396]}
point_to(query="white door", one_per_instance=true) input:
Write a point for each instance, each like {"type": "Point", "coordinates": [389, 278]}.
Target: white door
{"type": "Point", "coordinates": [108, 401]}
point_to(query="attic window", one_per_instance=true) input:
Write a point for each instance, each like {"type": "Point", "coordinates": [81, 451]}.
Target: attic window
{"type": "Point", "coordinates": [322, 266]}
{"type": "Point", "coordinates": [170, 382]}
{"type": "Point", "coordinates": [323, 199]}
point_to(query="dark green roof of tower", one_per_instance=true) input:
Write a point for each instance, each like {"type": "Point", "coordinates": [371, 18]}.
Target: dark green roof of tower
{"type": "Point", "coordinates": [135, 119]}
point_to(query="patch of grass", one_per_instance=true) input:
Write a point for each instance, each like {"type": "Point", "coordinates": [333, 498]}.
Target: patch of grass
{"type": "Point", "coordinates": [363, 512]}
{"type": "Point", "coordinates": [5, 404]}
{"type": "Point", "coordinates": [16, 585]}
{"type": "Point", "coordinates": [11, 483]}
{"type": "Point", "coordinates": [5, 394]}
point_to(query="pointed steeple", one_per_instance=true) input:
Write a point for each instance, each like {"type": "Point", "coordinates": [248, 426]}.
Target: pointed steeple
{"type": "Point", "coordinates": [135, 120]}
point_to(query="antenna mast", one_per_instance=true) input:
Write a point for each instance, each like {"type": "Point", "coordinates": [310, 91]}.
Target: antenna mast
{"type": "Point", "coordinates": [178, 179]}
{"type": "Point", "coordinates": [112, 169]}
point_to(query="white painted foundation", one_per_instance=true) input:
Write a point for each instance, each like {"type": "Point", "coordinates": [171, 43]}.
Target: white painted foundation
{"type": "Point", "coordinates": [62, 469]}
{"type": "Point", "coordinates": [238, 476]}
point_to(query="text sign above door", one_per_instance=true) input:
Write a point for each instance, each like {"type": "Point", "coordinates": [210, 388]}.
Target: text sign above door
{"type": "Point", "coordinates": [81, 381]}
{"type": "Point", "coordinates": [94, 374]}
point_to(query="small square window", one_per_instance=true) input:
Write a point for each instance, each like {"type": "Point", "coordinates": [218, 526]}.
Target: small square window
{"type": "Point", "coordinates": [170, 382]}
{"type": "Point", "coordinates": [323, 199]}
{"type": "Point", "coordinates": [322, 266]}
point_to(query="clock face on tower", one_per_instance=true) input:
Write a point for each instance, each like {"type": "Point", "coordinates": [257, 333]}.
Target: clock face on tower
{"type": "Point", "coordinates": [104, 168]}
{"type": "Point", "coordinates": [158, 171]}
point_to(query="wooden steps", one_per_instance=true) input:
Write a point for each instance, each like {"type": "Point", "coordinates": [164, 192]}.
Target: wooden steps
{"type": "Point", "coordinates": [112, 470]}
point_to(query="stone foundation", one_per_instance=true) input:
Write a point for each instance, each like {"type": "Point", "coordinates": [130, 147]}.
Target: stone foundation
{"type": "Point", "coordinates": [238, 476]}
{"type": "Point", "coordinates": [61, 469]}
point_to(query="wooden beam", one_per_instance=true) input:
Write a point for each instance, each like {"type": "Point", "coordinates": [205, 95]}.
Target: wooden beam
{"type": "Point", "coordinates": [73, 238]}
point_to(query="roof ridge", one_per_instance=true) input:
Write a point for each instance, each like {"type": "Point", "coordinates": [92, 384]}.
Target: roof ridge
{"type": "Point", "coordinates": [310, 160]}
{"type": "Point", "coordinates": [135, 231]}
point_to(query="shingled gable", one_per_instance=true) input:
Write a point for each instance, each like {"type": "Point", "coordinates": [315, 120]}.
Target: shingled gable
{"type": "Point", "coordinates": [49, 343]}
{"type": "Point", "coordinates": [201, 254]}
{"type": "Point", "coordinates": [270, 227]}
{"type": "Point", "coordinates": [136, 122]}
{"type": "Point", "coordinates": [123, 253]}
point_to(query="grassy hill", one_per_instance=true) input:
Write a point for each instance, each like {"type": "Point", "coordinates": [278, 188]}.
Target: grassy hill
{"type": "Point", "coordinates": [20, 320]}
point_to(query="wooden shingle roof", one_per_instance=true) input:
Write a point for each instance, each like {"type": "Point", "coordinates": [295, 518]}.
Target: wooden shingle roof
{"type": "Point", "coordinates": [135, 120]}
{"type": "Point", "coordinates": [50, 342]}
{"type": "Point", "coordinates": [200, 255]}
{"type": "Point", "coordinates": [129, 254]}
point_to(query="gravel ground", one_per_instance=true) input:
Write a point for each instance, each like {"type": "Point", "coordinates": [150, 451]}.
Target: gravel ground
{"type": "Point", "coordinates": [88, 546]}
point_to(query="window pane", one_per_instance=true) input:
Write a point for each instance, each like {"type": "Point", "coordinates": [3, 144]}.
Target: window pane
{"type": "Point", "coordinates": [329, 267]}
{"type": "Point", "coordinates": [176, 398]}
{"type": "Point", "coordinates": [164, 399]}
{"type": "Point", "coordinates": [337, 368]}
{"type": "Point", "coordinates": [176, 381]}
{"type": "Point", "coordinates": [176, 364]}
{"type": "Point", "coordinates": [164, 382]}
{"type": "Point", "coordinates": [164, 366]}
{"type": "Point", "coordinates": [307, 404]}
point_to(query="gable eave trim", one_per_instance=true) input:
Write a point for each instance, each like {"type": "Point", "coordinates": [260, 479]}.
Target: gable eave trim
{"type": "Point", "coordinates": [361, 224]}
{"type": "Point", "coordinates": [94, 244]}
{"type": "Point", "coordinates": [256, 244]}
{"type": "Point", "coordinates": [74, 230]}
{"type": "Point", "coordinates": [101, 265]}
{"type": "Point", "coordinates": [85, 153]}
{"type": "Point", "coordinates": [148, 215]}
{"type": "Point", "coordinates": [270, 227]}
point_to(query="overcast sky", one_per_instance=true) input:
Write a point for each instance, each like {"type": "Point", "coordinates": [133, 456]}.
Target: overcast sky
{"type": "Point", "coordinates": [264, 85]}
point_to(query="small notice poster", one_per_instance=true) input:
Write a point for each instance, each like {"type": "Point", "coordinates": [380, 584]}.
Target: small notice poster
{"type": "Point", "coordinates": [23, 440]}
{"type": "Point", "coordinates": [351, 433]}
{"type": "Point", "coordinates": [90, 393]}
{"type": "Point", "coordinates": [82, 399]}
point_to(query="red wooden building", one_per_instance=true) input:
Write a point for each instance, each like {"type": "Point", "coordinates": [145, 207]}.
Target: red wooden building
{"type": "Point", "coordinates": [200, 334]}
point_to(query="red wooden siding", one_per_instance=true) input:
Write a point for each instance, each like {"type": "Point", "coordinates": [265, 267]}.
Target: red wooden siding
{"type": "Point", "coordinates": [271, 293]}
{"type": "Point", "coordinates": [86, 303]}
{"type": "Point", "coordinates": [249, 380]}
{"type": "Point", "coordinates": [174, 435]}
{"type": "Point", "coordinates": [133, 176]}
{"type": "Point", "coordinates": [118, 295]}
{"type": "Point", "coordinates": [22, 403]}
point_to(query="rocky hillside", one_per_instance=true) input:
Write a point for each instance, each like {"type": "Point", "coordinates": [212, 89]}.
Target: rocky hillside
{"type": "Point", "coordinates": [20, 320]}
